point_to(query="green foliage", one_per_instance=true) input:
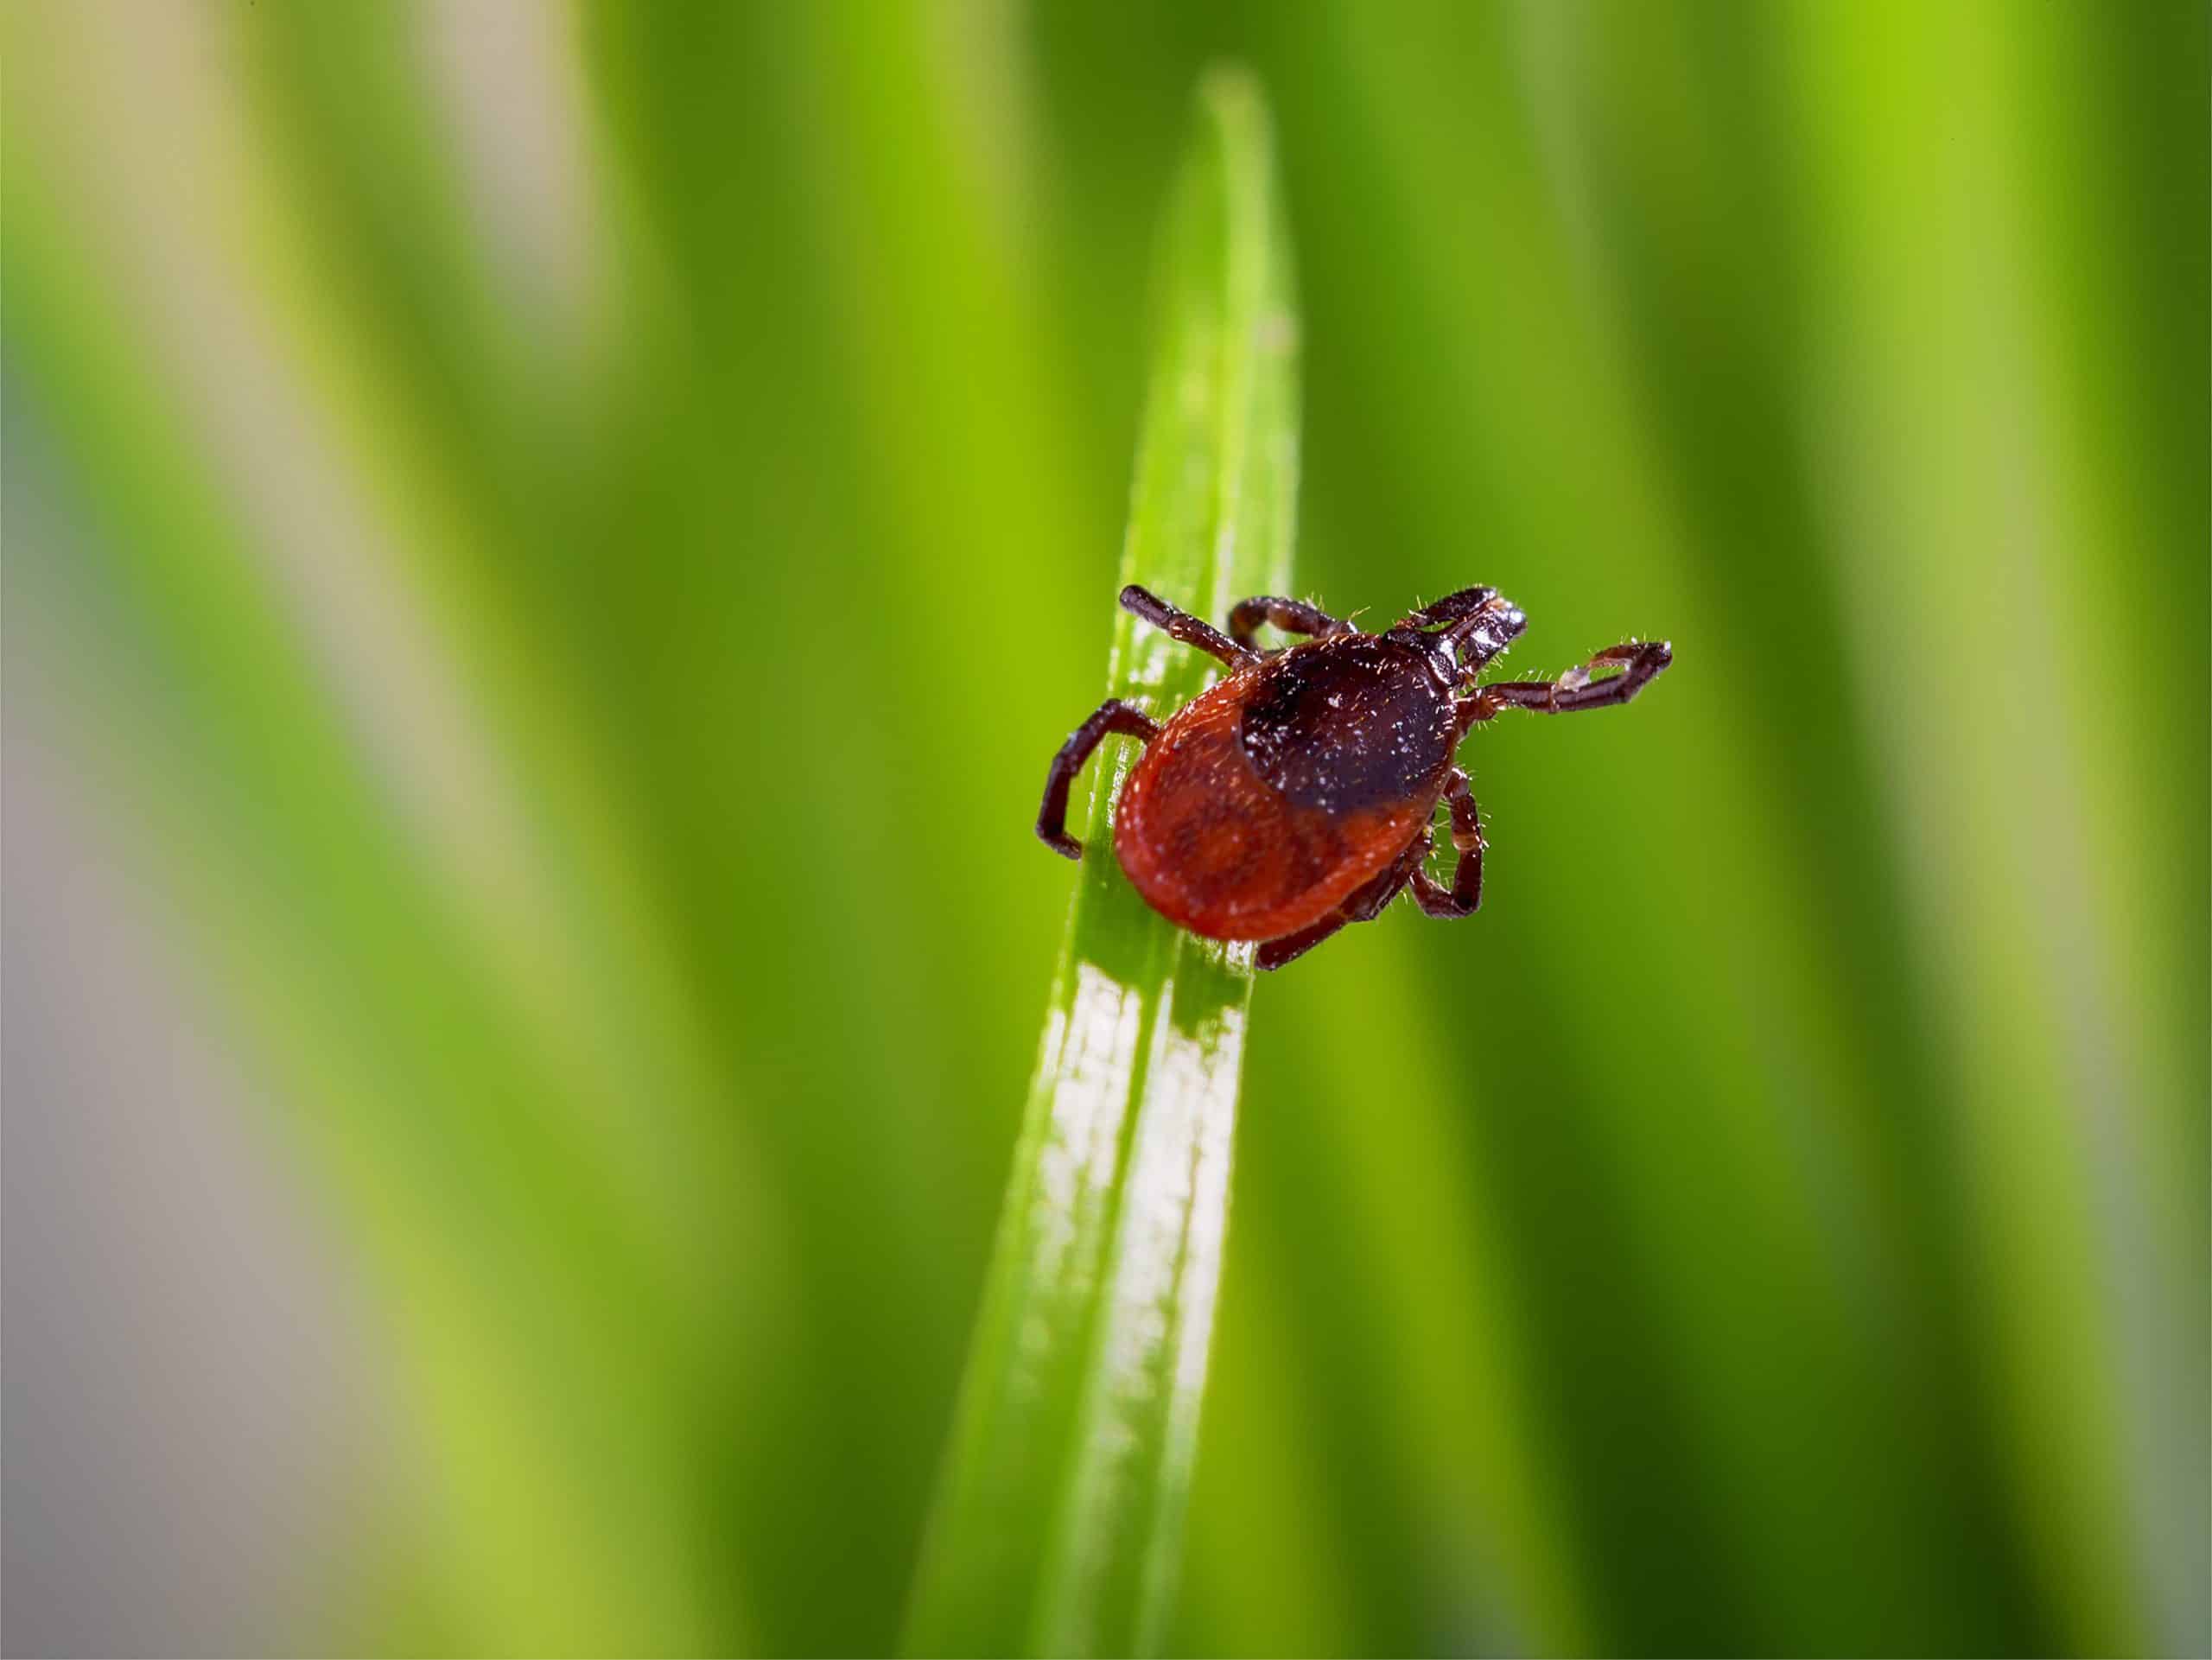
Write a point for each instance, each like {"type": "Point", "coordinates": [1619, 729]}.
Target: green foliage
{"type": "Point", "coordinates": [1060, 1522]}
{"type": "Point", "coordinates": [553, 545]}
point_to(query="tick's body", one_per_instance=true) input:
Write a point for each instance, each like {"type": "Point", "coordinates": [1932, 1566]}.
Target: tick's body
{"type": "Point", "coordinates": [1265, 802]}
{"type": "Point", "coordinates": [1296, 796]}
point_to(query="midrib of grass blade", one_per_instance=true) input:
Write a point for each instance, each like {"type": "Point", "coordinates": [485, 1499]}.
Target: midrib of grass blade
{"type": "Point", "coordinates": [1058, 1519]}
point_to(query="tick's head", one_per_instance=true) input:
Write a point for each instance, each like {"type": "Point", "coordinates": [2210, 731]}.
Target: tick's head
{"type": "Point", "coordinates": [1481, 635]}
{"type": "Point", "coordinates": [1463, 630]}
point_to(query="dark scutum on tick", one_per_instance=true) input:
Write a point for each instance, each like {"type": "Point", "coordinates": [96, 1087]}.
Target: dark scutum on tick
{"type": "Point", "coordinates": [1297, 795]}
{"type": "Point", "coordinates": [1346, 726]}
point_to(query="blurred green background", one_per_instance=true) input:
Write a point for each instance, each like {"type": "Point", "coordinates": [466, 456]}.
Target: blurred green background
{"type": "Point", "coordinates": [547, 548]}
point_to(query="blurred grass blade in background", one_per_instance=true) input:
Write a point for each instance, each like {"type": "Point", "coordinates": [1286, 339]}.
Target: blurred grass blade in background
{"type": "Point", "coordinates": [1059, 1515]}
{"type": "Point", "coordinates": [499, 496]}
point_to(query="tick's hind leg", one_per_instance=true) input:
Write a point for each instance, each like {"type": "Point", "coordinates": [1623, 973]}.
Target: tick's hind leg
{"type": "Point", "coordinates": [1274, 953]}
{"type": "Point", "coordinates": [1641, 662]}
{"type": "Point", "coordinates": [1181, 624]}
{"type": "Point", "coordinates": [1464, 897]}
{"type": "Point", "coordinates": [1112, 716]}
{"type": "Point", "coordinates": [1292, 616]}
{"type": "Point", "coordinates": [1365, 905]}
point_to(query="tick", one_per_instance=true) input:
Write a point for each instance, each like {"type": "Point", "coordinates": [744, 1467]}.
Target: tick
{"type": "Point", "coordinates": [1297, 795]}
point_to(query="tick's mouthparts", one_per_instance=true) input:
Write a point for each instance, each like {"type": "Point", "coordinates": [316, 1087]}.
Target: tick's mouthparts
{"type": "Point", "coordinates": [1496, 623]}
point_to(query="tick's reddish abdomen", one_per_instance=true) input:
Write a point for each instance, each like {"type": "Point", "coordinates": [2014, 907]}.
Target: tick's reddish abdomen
{"type": "Point", "coordinates": [1264, 804]}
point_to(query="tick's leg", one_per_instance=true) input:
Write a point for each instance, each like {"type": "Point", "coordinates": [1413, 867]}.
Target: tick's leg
{"type": "Point", "coordinates": [1641, 662]}
{"type": "Point", "coordinates": [1112, 716]}
{"type": "Point", "coordinates": [1181, 624]}
{"type": "Point", "coordinates": [1464, 897]}
{"type": "Point", "coordinates": [1274, 953]}
{"type": "Point", "coordinates": [1365, 905]}
{"type": "Point", "coordinates": [1292, 616]}
{"type": "Point", "coordinates": [1370, 901]}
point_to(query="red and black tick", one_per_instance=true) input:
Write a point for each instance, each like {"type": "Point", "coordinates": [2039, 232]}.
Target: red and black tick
{"type": "Point", "coordinates": [1297, 795]}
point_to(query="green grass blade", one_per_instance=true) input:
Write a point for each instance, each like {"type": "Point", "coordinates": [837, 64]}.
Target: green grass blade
{"type": "Point", "coordinates": [1059, 1514]}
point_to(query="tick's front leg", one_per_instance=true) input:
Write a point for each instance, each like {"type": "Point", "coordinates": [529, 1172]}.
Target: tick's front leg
{"type": "Point", "coordinates": [1640, 662]}
{"type": "Point", "coordinates": [1112, 716]}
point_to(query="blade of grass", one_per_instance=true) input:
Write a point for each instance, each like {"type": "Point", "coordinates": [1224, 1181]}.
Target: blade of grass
{"type": "Point", "coordinates": [1059, 1513]}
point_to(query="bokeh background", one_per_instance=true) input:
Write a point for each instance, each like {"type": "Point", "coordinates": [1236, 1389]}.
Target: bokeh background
{"type": "Point", "coordinates": [547, 546]}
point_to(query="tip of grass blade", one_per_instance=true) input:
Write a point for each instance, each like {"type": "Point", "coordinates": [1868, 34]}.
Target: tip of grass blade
{"type": "Point", "coordinates": [1059, 1520]}
{"type": "Point", "coordinates": [1229, 91]}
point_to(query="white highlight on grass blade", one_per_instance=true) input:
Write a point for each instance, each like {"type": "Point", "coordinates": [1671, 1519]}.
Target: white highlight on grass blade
{"type": "Point", "coordinates": [1157, 1323]}
{"type": "Point", "coordinates": [1091, 1050]}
